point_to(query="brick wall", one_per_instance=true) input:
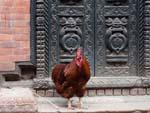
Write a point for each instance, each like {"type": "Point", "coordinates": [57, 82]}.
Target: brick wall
{"type": "Point", "coordinates": [14, 32]}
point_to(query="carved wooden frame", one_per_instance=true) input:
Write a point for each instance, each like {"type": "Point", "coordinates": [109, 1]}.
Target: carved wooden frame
{"type": "Point", "coordinates": [39, 52]}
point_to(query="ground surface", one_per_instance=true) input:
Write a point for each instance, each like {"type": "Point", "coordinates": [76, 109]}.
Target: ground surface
{"type": "Point", "coordinates": [17, 100]}
{"type": "Point", "coordinates": [22, 100]}
{"type": "Point", "coordinates": [96, 104]}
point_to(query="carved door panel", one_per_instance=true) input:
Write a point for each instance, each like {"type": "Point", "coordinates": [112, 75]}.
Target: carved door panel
{"type": "Point", "coordinates": [116, 36]}
{"type": "Point", "coordinates": [106, 29]}
{"type": "Point", "coordinates": [110, 32]}
{"type": "Point", "coordinates": [72, 26]}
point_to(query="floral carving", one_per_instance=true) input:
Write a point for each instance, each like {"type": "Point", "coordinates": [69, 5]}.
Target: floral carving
{"type": "Point", "coordinates": [70, 34]}
{"type": "Point", "coordinates": [116, 34]}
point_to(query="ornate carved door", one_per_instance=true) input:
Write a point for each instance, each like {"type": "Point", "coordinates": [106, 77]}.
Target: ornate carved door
{"type": "Point", "coordinates": [110, 31]}
{"type": "Point", "coordinates": [117, 38]}
{"type": "Point", "coordinates": [72, 26]}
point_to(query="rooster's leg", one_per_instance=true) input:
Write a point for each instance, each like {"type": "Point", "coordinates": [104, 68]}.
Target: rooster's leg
{"type": "Point", "coordinates": [80, 103]}
{"type": "Point", "coordinates": [69, 104]}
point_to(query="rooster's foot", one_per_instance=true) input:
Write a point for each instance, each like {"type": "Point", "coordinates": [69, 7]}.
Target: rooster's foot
{"type": "Point", "coordinates": [69, 104]}
{"type": "Point", "coordinates": [79, 104]}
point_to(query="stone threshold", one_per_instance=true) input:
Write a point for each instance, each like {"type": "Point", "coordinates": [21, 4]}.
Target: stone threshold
{"type": "Point", "coordinates": [101, 104]}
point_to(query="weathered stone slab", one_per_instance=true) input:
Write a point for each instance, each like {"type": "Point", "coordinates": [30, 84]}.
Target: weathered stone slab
{"type": "Point", "coordinates": [17, 100]}
{"type": "Point", "coordinates": [97, 104]}
{"type": "Point", "coordinates": [100, 82]}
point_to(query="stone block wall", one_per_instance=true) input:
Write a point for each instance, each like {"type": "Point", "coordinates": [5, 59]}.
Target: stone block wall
{"type": "Point", "coordinates": [14, 33]}
{"type": "Point", "coordinates": [100, 92]}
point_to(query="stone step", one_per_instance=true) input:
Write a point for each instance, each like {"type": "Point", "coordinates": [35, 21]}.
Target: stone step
{"type": "Point", "coordinates": [17, 100]}
{"type": "Point", "coordinates": [101, 104]}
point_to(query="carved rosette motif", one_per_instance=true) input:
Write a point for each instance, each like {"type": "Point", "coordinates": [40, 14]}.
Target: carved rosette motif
{"type": "Point", "coordinates": [116, 34]}
{"type": "Point", "coordinates": [70, 34]}
{"type": "Point", "coordinates": [116, 39]}
{"type": "Point", "coordinates": [70, 17]}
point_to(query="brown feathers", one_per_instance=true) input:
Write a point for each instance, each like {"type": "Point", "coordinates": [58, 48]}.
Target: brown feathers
{"type": "Point", "coordinates": [70, 79]}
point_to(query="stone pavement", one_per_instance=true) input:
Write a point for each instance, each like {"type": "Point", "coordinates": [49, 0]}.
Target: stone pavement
{"type": "Point", "coordinates": [102, 104]}
{"type": "Point", "coordinates": [17, 100]}
{"type": "Point", "coordinates": [22, 100]}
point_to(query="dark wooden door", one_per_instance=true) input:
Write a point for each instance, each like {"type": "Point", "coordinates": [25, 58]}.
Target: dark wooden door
{"type": "Point", "coordinates": [72, 26]}
{"type": "Point", "coordinates": [106, 29]}
{"type": "Point", "coordinates": [110, 32]}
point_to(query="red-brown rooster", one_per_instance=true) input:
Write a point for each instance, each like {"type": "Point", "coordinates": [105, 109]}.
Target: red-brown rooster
{"type": "Point", "coordinates": [70, 79]}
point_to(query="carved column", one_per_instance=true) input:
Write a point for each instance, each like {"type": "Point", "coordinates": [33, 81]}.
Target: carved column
{"type": "Point", "coordinates": [140, 22]}
{"type": "Point", "coordinates": [147, 37]}
{"type": "Point", "coordinates": [42, 43]}
{"type": "Point", "coordinates": [42, 38]}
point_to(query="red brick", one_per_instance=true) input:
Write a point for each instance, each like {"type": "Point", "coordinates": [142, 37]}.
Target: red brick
{"type": "Point", "coordinates": [6, 58]}
{"type": "Point", "coordinates": [19, 51]}
{"type": "Point", "coordinates": [22, 23]}
{"type": "Point", "coordinates": [20, 57]}
{"type": "Point", "coordinates": [8, 2]}
{"type": "Point", "coordinates": [24, 44]}
{"type": "Point", "coordinates": [8, 44]}
{"type": "Point", "coordinates": [20, 16]}
{"type": "Point", "coordinates": [14, 32]}
{"type": "Point", "coordinates": [6, 51]}
{"type": "Point", "coordinates": [22, 10]}
{"type": "Point", "coordinates": [5, 9]}
{"type": "Point", "coordinates": [22, 2]}
{"type": "Point", "coordinates": [21, 37]}
{"type": "Point", "coordinates": [11, 24]}
{"type": "Point", "coordinates": [4, 17]}
{"type": "Point", "coordinates": [7, 65]}
{"type": "Point", "coordinates": [19, 10]}
{"type": "Point", "coordinates": [13, 58]}
{"type": "Point", "coordinates": [5, 30]}
{"type": "Point", "coordinates": [20, 30]}
{"type": "Point", "coordinates": [6, 37]}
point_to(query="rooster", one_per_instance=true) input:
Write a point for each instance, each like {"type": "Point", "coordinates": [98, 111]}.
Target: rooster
{"type": "Point", "coordinates": [70, 79]}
